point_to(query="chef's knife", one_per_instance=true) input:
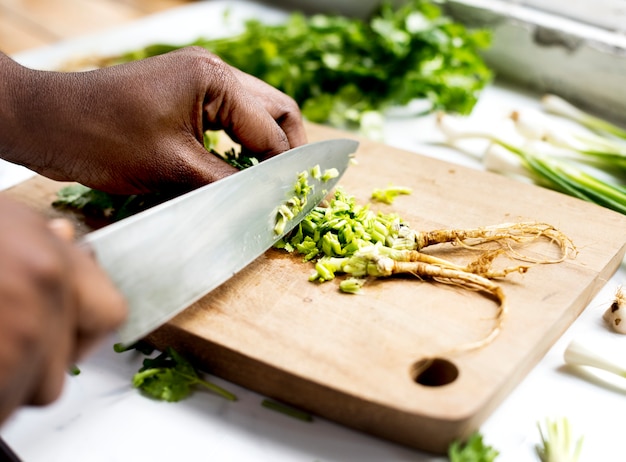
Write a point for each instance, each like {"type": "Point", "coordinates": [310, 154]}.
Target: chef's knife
{"type": "Point", "coordinates": [167, 257]}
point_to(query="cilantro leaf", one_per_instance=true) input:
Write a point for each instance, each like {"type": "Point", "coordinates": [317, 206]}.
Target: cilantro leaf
{"type": "Point", "coordinates": [339, 68]}
{"type": "Point", "coordinates": [170, 377]}
{"type": "Point", "coordinates": [78, 197]}
{"type": "Point", "coordinates": [474, 450]}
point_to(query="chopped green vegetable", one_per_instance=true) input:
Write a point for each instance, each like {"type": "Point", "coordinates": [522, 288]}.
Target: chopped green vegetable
{"type": "Point", "coordinates": [351, 285]}
{"type": "Point", "coordinates": [287, 410]}
{"type": "Point", "coordinates": [340, 229]}
{"type": "Point", "coordinates": [74, 370]}
{"type": "Point", "coordinates": [141, 346]}
{"type": "Point", "coordinates": [329, 174]}
{"type": "Point", "coordinates": [389, 194]}
{"type": "Point", "coordinates": [348, 238]}
{"type": "Point", "coordinates": [344, 71]}
{"type": "Point", "coordinates": [296, 203]}
{"type": "Point", "coordinates": [232, 156]}
{"type": "Point", "coordinates": [316, 173]}
{"type": "Point", "coordinates": [556, 442]}
{"type": "Point", "coordinates": [473, 450]}
{"type": "Point", "coordinates": [170, 377]}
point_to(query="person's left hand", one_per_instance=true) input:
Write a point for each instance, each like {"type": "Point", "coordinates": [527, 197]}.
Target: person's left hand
{"type": "Point", "coordinates": [138, 127]}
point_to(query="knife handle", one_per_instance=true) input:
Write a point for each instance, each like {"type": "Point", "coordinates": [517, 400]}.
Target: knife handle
{"type": "Point", "coordinates": [6, 453]}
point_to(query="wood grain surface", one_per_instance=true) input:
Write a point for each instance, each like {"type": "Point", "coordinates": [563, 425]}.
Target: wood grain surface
{"type": "Point", "coordinates": [352, 358]}
{"type": "Point", "coordinates": [33, 23]}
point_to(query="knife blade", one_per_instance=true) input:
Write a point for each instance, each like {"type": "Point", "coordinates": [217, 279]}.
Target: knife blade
{"type": "Point", "coordinates": [169, 256]}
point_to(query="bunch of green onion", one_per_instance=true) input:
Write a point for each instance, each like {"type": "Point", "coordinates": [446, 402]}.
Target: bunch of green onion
{"type": "Point", "coordinates": [586, 160]}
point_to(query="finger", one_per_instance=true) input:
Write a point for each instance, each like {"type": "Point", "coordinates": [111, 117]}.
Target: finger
{"type": "Point", "coordinates": [93, 289]}
{"type": "Point", "coordinates": [56, 297]}
{"type": "Point", "coordinates": [101, 307]}
{"type": "Point", "coordinates": [231, 107]}
{"type": "Point", "coordinates": [283, 109]}
{"type": "Point", "coordinates": [249, 124]}
{"type": "Point", "coordinates": [54, 364]}
{"type": "Point", "coordinates": [293, 126]}
{"type": "Point", "coordinates": [36, 343]}
{"type": "Point", "coordinates": [288, 119]}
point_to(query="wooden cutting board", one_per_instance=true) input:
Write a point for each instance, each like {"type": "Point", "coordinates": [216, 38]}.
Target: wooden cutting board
{"type": "Point", "coordinates": [352, 358]}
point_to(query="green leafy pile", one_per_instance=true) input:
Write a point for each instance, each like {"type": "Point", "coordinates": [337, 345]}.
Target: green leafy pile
{"type": "Point", "coordinates": [341, 69]}
{"type": "Point", "coordinates": [170, 377]}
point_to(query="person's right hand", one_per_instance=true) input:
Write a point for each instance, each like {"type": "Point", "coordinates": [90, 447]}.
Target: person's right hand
{"type": "Point", "coordinates": [55, 304]}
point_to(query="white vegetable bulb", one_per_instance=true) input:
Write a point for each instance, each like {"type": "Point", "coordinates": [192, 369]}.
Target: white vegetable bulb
{"type": "Point", "coordinates": [615, 314]}
{"type": "Point", "coordinates": [498, 159]}
{"type": "Point", "coordinates": [579, 354]}
{"type": "Point", "coordinates": [535, 125]}
{"type": "Point", "coordinates": [557, 105]}
{"type": "Point", "coordinates": [530, 123]}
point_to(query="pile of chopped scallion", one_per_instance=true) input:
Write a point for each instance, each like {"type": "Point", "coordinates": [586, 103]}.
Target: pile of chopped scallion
{"type": "Point", "coordinates": [340, 230]}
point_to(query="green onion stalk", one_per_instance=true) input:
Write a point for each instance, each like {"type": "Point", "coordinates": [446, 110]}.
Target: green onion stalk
{"type": "Point", "coordinates": [558, 168]}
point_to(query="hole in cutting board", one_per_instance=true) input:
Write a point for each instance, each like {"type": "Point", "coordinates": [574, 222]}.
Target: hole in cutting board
{"type": "Point", "coordinates": [434, 372]}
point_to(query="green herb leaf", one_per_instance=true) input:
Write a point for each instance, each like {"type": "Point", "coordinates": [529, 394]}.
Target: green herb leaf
{"type": "Point", "coordinates": [338, 69]}
{"type": "Point", "coordinates": [473, 450]}
{"type": "Point", "coordinates": [170, 377]}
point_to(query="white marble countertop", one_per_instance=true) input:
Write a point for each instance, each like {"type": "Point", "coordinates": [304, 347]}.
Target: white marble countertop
{"type": "Point", "coordinates": [100, 417]}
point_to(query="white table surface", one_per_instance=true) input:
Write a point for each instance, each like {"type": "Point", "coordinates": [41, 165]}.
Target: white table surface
{"type": "Point", "coordinates": [100, 417]}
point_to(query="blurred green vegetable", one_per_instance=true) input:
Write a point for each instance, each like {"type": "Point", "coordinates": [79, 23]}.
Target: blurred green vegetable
{"type": "Point", "coordinates": [388, 195]}
{"type": "Point", "coordinates": [287, 410]}
{"type": "Point", "coordinates": [170, 377]}
{"type": "Point", "coordinates": [473, 450]}
{"type": "Point", "coordinates": [557, 442]}
{"type": "Point", "coordinates": [341, 69]}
